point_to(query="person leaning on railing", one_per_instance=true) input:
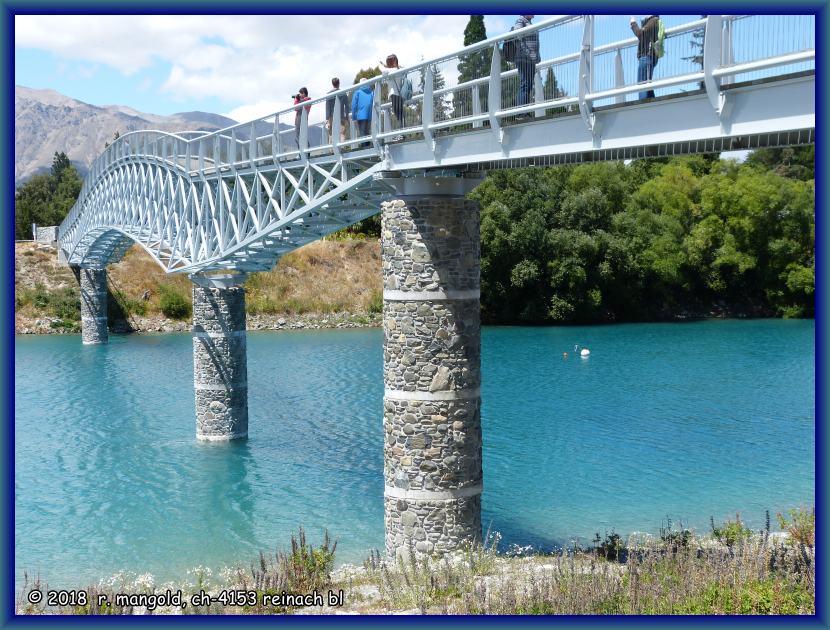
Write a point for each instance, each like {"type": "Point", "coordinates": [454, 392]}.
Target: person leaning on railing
{"type": "Point", "coordinates": [646, 54]}
{"type": "Point", "coordinates": [344, 113]}
{"type": "Point", "coordinates": [527, 56]}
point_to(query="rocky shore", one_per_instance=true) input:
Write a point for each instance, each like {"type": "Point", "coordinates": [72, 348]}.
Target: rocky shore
{"type": "Point", "coordinates": [159, 324]}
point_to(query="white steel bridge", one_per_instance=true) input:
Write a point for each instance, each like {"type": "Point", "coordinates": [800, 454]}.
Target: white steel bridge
{"type": "Point", "coordinates": [239, 198]}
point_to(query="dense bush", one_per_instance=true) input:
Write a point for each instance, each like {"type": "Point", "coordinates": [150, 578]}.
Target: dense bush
{"type": "Point", "coordinates": [172, 303]}
{"type": "Point", "coordinates": [605, 241]}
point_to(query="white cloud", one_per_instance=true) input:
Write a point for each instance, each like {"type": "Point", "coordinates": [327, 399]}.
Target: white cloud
{"type": "Point", "coordinates": [255, 61]}
{"type": "Point", "coordinates": [252, 62]}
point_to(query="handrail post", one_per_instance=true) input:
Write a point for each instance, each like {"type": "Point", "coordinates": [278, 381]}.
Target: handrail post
{"type": "Point", "coordinates": [727, 53]}
{"type": "Point", "coordinates": [476, 96]}
{"type": "Point", "coordinates": [619, 76]}
{"type": "Point", "coordinates": [494, 91]}
{"type": "Point", "coordinates": [376, 113]}
{"type": "Point", "coordinates": [428, 107]}
{"type": "Point", "coordinates": [712, 59]}
{"type": "Point", "coordinates": [586, 71]}
{"type": "Point", "coordinates": [216, 168]}
{"type": "Point", "coordinates": [303, 140]}
{"type": "Point", "coordinates": [538, 92]}
{"type": "Point", "coordinates": [252, 146]}
{"type": "Point", "coordinates": [277, 141]}
{"type": "Point", "coordinates": [335, 126]}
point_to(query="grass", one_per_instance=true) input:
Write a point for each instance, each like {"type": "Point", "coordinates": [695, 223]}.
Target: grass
{"type": "Point", "coordinates": [324, 277]}
{"type": "Point", "coordinates": [335, 276]}
{"type": "Point", "coordinates": [63, 303]}
{"type": "Point", "coordinates": [674, 573]}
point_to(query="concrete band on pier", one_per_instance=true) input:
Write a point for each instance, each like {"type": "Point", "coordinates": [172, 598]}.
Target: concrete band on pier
{"type": "Point", "coordinates": [432, 421]}
{"type": "Point", "coordinates": [220, 370]}
{"type": "Point", "coordinates": [93, 305]}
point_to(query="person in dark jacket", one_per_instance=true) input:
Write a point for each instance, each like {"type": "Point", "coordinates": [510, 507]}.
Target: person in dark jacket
{"type": "Point", "coordinates": [646, 34]}
{"type": "Point", "coordinates": [527, 56]}
{"type": "Point", "coordinates": [362, 109]}
{"type": "Point", "coordinates": [343, 111]}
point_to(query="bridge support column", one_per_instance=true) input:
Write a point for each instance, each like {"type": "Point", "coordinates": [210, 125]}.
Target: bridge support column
{"type": "Point", "coordinates": [220, 370]}
{"type": "Point", "coordinates": [432, 423]}
{"type": "Point", "coordinates": [93, 305]}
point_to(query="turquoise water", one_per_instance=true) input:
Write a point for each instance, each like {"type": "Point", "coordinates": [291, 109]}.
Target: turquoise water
{"type": "Point", "coordinates": [663, 420]}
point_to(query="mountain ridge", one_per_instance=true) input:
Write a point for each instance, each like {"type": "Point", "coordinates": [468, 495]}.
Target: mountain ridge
{"type": "Point", "coordinates": [46, 121]}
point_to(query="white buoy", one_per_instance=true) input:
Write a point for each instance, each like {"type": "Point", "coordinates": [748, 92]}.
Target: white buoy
{"type": "Point", "coordinates": [584, 352]}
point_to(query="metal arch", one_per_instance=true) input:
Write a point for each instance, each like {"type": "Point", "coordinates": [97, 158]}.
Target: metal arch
{"type": "Point", "coordinates": [236, 218]}
{"type": "Point", "coordinates": [240, 197]}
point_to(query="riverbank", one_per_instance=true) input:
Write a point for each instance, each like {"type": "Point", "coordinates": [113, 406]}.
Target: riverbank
{"type": "Point", "coordinates": [326, 284]}
{"type": "Point", "coordinates": [769, 573]}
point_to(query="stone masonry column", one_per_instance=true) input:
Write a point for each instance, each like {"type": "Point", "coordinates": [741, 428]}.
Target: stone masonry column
{"type": "Point", "coordinates": [220, 370]}
{"type": "Point", "coordinates": [432, 402]}
{"type": "Point", "coordinates": [93, 305]}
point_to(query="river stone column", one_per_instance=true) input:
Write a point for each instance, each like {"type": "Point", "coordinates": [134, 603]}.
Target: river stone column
{"type": "Point", "coordinates": [432, 422]}
{"type": "Point", "coordinates": [220, 370]}
{"type": "Point", "coordinates": [93, 305]}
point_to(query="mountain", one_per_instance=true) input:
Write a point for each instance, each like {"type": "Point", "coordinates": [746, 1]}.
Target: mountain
{"type": "Point", "coordinates": [46, 121]}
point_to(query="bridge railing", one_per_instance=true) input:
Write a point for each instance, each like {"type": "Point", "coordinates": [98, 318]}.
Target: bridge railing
{"type": "Point", "coordinates": [475, 89]}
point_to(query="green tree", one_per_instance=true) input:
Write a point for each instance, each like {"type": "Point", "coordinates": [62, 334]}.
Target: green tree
{"type": "Point", "coordinates": [794, 162]}
{"type": "Point", "coordinates": [46, 199]}
{"type": "Point", "coordinates": [60, 162]}
{"type": "Point", "coordinates": [366, 73]}
{"type": "Point", "coordinates": [474, 65]}
{"type": "Point", "coordinates": [32, 205]}
{"type": "Point", "coordinates": [651, 240]}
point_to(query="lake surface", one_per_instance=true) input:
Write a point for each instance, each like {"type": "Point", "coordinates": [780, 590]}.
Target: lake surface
{"type": "Point", "coordinates": [663, 420]}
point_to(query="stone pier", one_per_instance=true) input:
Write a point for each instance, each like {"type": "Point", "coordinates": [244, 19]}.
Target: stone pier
{"type": "Point", "coordinates": [220, 370]}
{"type": "Point", "coordinates": [93, 305]}
{"type": "Point", "coordinates": [432, 423]}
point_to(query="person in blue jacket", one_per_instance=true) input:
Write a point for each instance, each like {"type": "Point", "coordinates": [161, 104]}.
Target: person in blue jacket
{"type": "Point", "coordinates": [362, 109]}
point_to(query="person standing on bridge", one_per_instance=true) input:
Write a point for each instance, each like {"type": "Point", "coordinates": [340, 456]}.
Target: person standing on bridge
{"type": "Point", "coordinates": [527, 56]}
{"type": "Point", "coordinates": [362, 109]}
{"type": "Point", "coordinates": [299, 97]}
{"type": "Point", "coordinates": [400, 90]}
{"type": "Point", "coordinates": [342, 111]}
{"type": "Point", "coordinates": [646, 54]}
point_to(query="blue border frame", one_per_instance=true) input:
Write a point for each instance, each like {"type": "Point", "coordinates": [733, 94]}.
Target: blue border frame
{"type": "Point", "coordinates": [7, 11]}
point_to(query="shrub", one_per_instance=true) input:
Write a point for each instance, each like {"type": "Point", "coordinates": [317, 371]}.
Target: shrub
{"type": "Point", "coordinates": [612, 548]}
{"type": "Point", "coordinates": [66, 304]}
{"type": "Point", "coordinates": [731, 532]}
{"type": "Point", "coordinates": [302, 570]}
{"type": "Point", "coordinates": [173, 304]}
{"type": "Point", "coordinates": [674, 540]}
{"type": "Point", "coordinates": [376, 302]}
{"type": "Point", "coordinates": [802, 528]}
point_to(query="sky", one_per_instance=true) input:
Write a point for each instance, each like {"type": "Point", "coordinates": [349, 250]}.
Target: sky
{"type": "Point", "coordinates": [238, 65]}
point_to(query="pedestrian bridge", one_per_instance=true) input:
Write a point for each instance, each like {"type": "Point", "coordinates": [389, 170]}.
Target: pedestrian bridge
{"type": "Point", "coordinates": [219, 205]}
{"type": "Point", "coordinates": [239, 198]}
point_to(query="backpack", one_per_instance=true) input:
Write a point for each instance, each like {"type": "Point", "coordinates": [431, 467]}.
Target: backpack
{"type": "Point", "coordinates": [659, 46]}
{"type": "Point", "coordinates": [406, 89]}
